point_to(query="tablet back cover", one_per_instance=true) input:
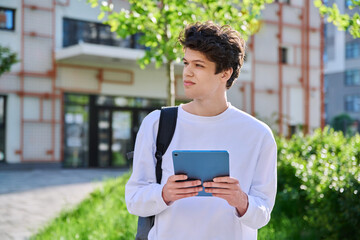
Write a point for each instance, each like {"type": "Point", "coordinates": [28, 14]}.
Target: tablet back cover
{"type": "Point", "coordinates": [204, 165]}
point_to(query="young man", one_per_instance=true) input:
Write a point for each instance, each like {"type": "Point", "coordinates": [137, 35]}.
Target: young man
{"type": "Point", "coordinates": [241, 203]}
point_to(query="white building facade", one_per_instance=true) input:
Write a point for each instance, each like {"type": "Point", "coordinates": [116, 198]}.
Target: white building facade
{"type": "Point", "coordinates": [78, 96]}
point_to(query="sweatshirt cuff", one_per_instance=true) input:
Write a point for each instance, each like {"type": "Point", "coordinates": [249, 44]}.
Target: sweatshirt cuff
{"type": "Point", "coordinates": [249, 212]}
{"type": "Point", "coordinates": [160, 201]}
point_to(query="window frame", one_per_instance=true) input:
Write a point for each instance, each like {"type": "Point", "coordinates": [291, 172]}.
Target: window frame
{"type": "Point", "coordinates": [350, 48]}
{"type": "Point", "coordinates": [351, 75]}
{"type": "Point", "coordinates": [283, 55]}
{"type": "Point", "coordinates": [349, 103]}
{"type": "Point", "coordinates": [13, 19]}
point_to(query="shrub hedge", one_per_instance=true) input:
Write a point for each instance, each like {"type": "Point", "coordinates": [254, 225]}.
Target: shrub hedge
{"type": "Point", "coordinates": [319, 185]}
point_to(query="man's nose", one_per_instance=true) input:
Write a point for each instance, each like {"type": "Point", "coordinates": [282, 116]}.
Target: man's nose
{"type": "Point", "coordinates": [187, 71]}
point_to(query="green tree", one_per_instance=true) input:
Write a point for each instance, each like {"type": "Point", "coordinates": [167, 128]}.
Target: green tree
{"type": "Point", "coordinates": [160, 23]}
{"type": "Point", "coordinates": [343, 21]}
{"type": "Point", "coordinates": [7, 59]}
{"type": "Point", "coordinates": [342, 122]}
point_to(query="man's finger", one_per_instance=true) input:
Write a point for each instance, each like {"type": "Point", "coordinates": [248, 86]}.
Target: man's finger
{"type": "Point", "coordinates": [223, 196]}
{"type": "Point", "coordinates": [187, 184]}
{"type": "Point", "coordinates": [179, 177]}
{"type": "Point", "coordinates": [226, 179]}
{"type": "Point", "coordinates": [220, 185]}
{"type": "Point", "coordinates": [182, 191]}
{"type": "Point", "coordinates": [181, 196]}
{"type": "Point", "coordinates": [218, 191]}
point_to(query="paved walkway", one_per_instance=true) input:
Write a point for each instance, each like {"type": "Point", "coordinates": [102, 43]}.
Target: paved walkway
{"type": "Point", "coordinates": [30, 197]}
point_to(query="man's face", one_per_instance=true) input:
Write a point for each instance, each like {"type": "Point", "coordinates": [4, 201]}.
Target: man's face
{"type": "Point", "coordinates": [199, 78]}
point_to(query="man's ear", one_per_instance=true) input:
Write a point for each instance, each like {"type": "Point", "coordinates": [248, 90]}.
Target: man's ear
{"type": "Point", "coordinates": [226, 74]}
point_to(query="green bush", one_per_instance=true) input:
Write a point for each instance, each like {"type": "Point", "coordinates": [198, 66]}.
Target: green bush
{"type": "Point", "coordinates": [319, 185]}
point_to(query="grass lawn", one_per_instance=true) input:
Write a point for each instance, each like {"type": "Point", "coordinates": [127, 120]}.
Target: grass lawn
{"type": "Point", "coordinates": [102, 215]}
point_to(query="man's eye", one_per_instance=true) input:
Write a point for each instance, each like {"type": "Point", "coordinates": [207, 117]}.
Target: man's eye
{"type": "Point", "coordinates": [185, 63]}
{"type": "Point", "coordinates": [198, 65]}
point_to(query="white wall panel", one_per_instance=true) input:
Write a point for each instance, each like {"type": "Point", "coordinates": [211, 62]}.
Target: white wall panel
{"type": "Point", "coordinates": [291, 35]}
{"type": "Point", "coordinates": [47, 109]}
{"type": "Point", "coordinates": [315, 19]}
{"type": "Point", "coordinates": [296, 109]}
{"type": "Point", "coordinates": [58, 110]}
{"type": "Point", "coordinates": [315, 109]}
{"type": "Point", "coordinates": [38, 21]}
{"type": "Point", "coordinates": [77, 78]}
{"type": "Point", "coordinates": [315, 80]}
{"type": "Point", "coordinates": [291, 75]}
{"type": "Point", "coordinates": [57, 150]}
{"type": "Point", "coordinates": [315, 39]}
{"type": "Point", "coordinates": [12, 128]}
{"type": "Point", "coordinates": [150, 82]}
{"type": "Point", "coordinates": [236, 95]}
{"type": "Point", "coordinates": [37, 54]}
{"type": "Point", "coordinates": [37, 141]}
{"type": "Point", "coordinates": [31, 108]}
{"type": "Point", "coordinates": [266, 76]}
{"type": "Point", "coordinates": [39, 85]}
{"type": "Point", "coordinates": [41, 3]}
{"type": "Point", "coordinates": [270, 12]}
{"type": "Point", "coordinates": [9, 83]}
{"type": "Point", "coordinates": [291, 15]}
{"type": "Point", "coordinates": [266, 44]}
{"type": "Point", "coordinates": [266, 108]}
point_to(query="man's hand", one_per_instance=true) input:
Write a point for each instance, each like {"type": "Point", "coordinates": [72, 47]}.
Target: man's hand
{"type": "Point", "coordinates": [173, 190]}
{"type": "Point", "coordinates": [228, 188]}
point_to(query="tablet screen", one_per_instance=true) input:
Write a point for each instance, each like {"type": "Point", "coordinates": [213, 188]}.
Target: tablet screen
{"type": "Point", "coordinates": [201, 164]}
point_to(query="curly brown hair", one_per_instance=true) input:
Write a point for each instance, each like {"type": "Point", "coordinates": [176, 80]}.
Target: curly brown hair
{"type": "Point", "coordinates": [220, 44]}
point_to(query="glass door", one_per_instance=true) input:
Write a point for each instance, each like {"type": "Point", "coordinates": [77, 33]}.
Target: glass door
{"type": "Point", "coordinates": [114, 137]}
{"type": "Point", "coordinates": [2, 128]}
{"type": "Point", "coordinates": [121, 137]}
{"type": "Point", "coordinates": [76, 126]}
{"type": "Point", "coordinates": [104, 134]}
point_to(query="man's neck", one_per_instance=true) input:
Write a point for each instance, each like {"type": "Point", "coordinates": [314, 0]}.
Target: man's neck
{"type": "Point", "coordinates": [206, 108]}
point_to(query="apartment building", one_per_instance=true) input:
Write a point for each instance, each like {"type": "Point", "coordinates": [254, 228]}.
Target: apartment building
{"type": "Point", "coordinates": [285, 85]}
{"type": "Point", "coordinates": [78, 96]}
{"type": "Point", "coordinates": [342, 70]}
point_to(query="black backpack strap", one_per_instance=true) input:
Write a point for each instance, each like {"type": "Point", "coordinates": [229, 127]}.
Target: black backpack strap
{"type": "Point", "coordinates": [167, 125]}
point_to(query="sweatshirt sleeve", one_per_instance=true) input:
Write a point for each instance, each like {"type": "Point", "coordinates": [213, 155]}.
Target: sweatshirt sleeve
{"type": "Point", "coordinates": [143, 195]}
{"type": "Point", "coordinates": [263, 187]}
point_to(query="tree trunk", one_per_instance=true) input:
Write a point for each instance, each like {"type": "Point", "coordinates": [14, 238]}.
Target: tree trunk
{"type": "Point", "coordinates": [171, 83]}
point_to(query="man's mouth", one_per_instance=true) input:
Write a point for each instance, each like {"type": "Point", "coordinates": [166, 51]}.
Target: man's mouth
{"type": "Point", "coordinates": [188, 83]}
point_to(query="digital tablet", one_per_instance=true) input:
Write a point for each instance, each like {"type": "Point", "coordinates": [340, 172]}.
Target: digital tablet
{"type": "Point", "coordinates": [201, 164]}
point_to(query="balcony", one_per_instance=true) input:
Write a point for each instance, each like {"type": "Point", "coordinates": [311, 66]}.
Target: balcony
{"type": "Point", "coordinates": [90, 43]}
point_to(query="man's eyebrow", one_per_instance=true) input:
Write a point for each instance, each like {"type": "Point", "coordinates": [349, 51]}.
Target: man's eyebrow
{"type": "Point", "coordinates": [201, 61]}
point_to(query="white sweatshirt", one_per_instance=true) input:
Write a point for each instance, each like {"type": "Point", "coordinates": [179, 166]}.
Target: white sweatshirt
{"type": "Point", "coordinates": [252, 151]}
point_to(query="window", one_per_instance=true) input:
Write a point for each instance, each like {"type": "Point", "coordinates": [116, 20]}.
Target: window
{"type": "Point", "coordinates": [325, 56]}
{"type": "Point", "coordinates": [352, 103]}
{"type": "Point", "coordinates": [7, 19]}
{"type": "Point", "coordinates": [77, 31]}
{"type": "Point", "coordinates": [352, 50]}
{"type": "Point", "coordinates": [283, 55]}
{"type": "Point", "coordinates": [352, 77]}
{"type": "Point", "coordinates": [326, 83]}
